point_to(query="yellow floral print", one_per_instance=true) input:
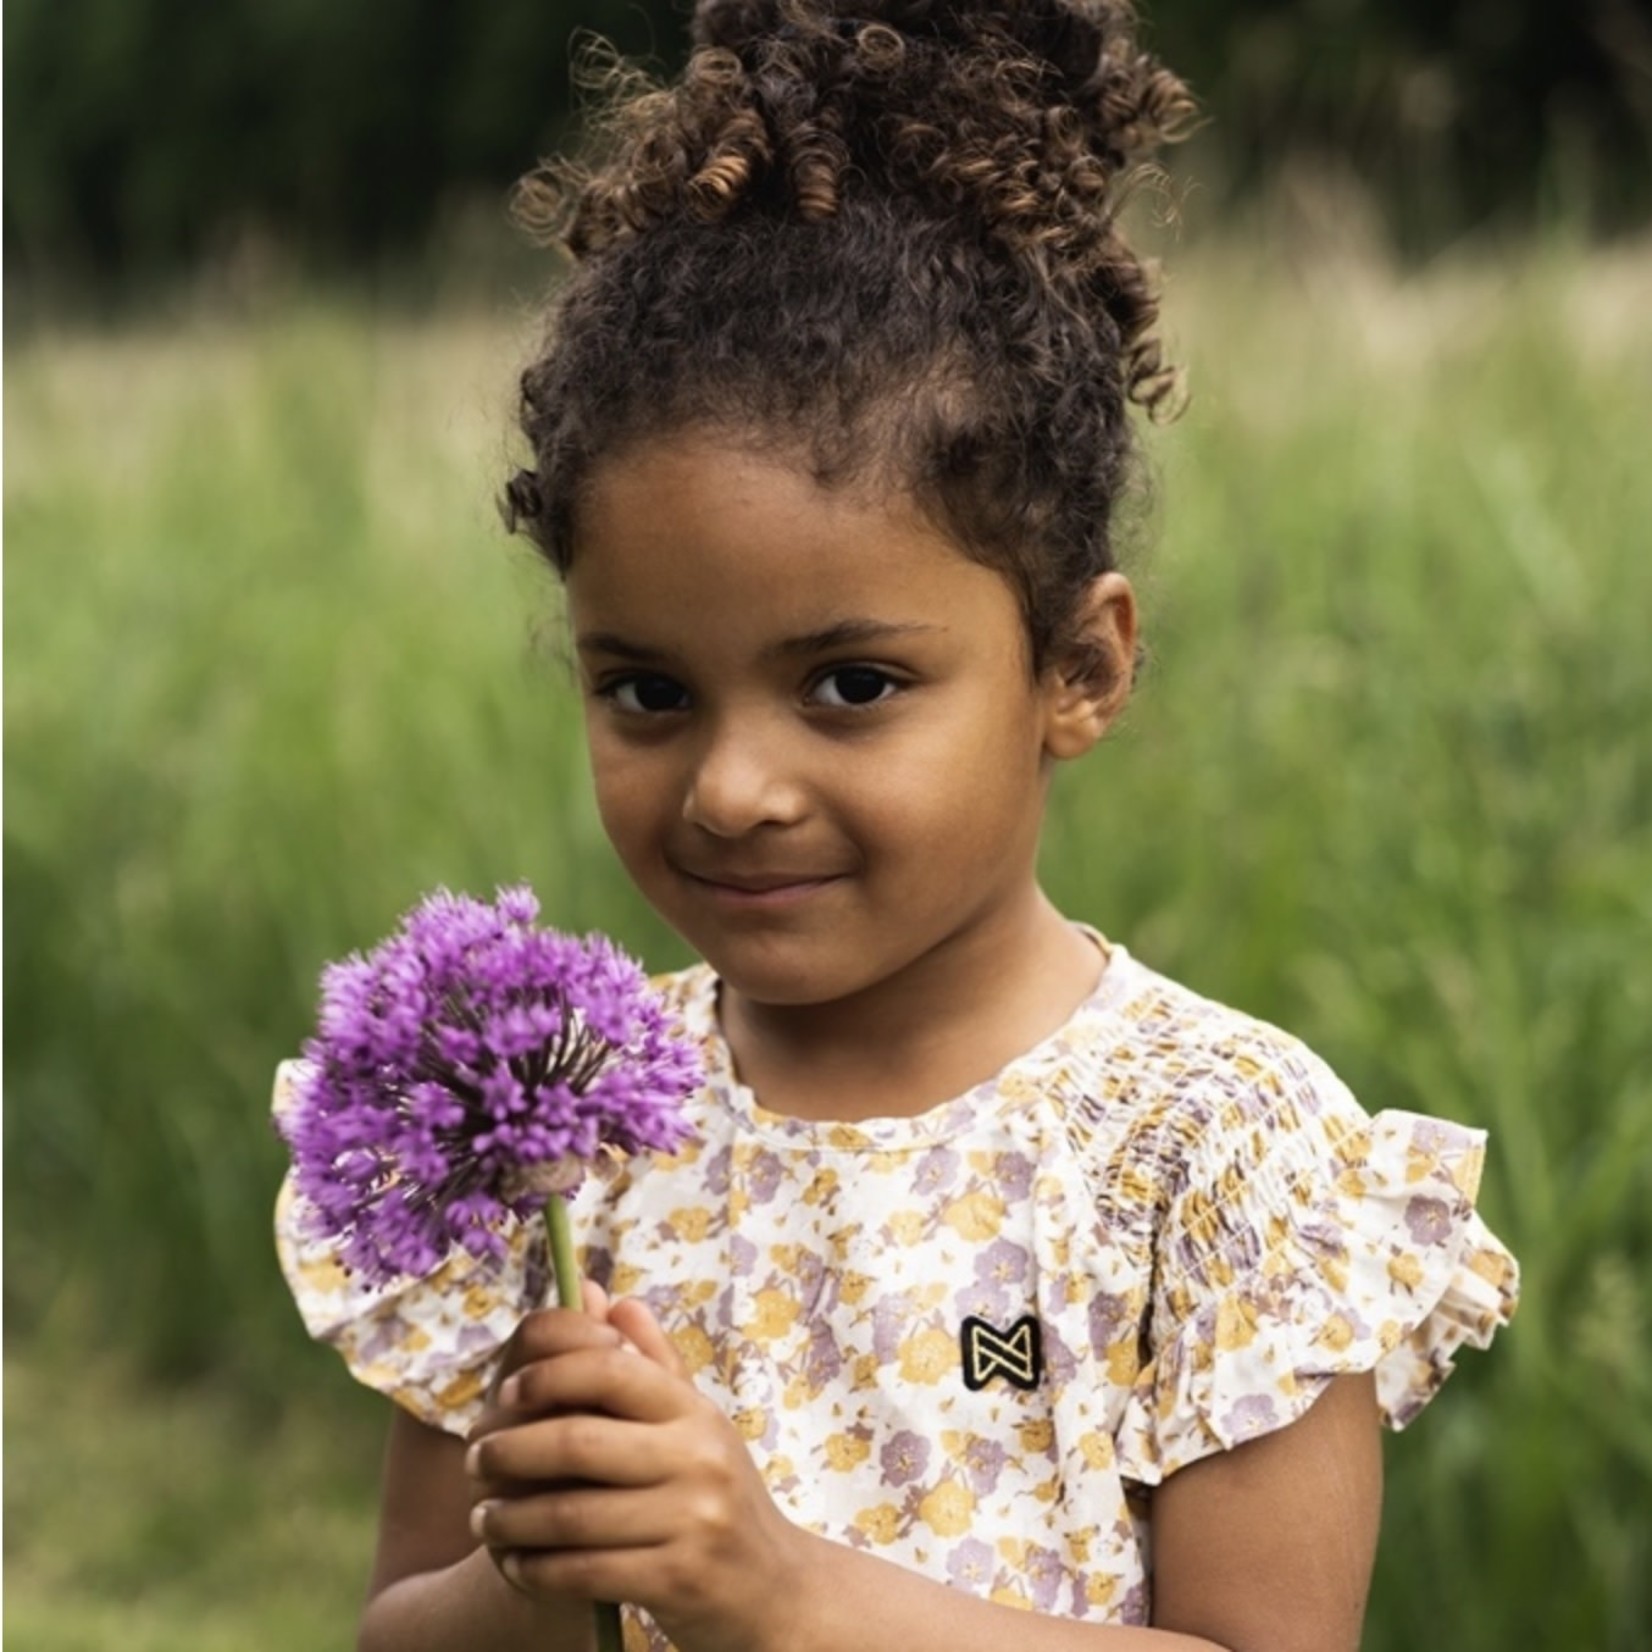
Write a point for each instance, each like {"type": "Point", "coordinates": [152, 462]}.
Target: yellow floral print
{"type": "Point", "coordinates": [1204, 1225]}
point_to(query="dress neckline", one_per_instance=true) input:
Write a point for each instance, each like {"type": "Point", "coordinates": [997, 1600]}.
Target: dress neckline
{"type": "Point", "coordinates": [1014, 1083]}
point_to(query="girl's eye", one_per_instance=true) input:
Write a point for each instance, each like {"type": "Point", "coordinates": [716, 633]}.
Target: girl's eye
{"type": "Point", "coordinates": [646, 691]}
{"type": "Point", "coordinates": [854, 685]}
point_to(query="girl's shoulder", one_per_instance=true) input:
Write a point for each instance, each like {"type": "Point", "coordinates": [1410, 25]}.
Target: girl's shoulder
{"type": "Point", "coordinates": [1177, 1034]}
{"type": "Point", "coordinates": [1168, 1077]}
{"type": "Point", "coordinates": [1293, 1235]}
{"type": "Point", "coordinates": [1207, 1133]}
{"type": "Point", "coordinates": [1290, 1235]}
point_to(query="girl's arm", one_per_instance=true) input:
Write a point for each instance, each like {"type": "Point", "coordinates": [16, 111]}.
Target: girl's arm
{"type": "Point", "coordinates": [1272, 1544]}
{"type": "Point", "coordinates": [434, 1588]}
{"type": "Point", "coordinates": [1265, 1548]}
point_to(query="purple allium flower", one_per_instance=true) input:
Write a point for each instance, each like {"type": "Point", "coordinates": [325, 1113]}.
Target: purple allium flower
{"type": "Point", "coordinates": [467, 1067]}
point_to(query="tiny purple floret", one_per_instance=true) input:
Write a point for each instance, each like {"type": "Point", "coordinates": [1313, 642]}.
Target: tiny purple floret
{"type": "Point", "coordinates": [465, 1068]}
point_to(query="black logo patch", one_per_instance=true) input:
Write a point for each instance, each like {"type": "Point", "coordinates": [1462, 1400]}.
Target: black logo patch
{"type": "Point", "coordinates": [1016, 1355]}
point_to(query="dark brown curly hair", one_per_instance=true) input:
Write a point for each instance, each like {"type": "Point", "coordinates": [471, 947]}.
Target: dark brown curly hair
{"type": "Point", "coordinates": [882, 246]}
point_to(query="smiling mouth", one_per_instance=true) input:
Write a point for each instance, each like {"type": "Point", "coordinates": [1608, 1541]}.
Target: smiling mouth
{"type": "Point", "coordinates": [767, 889]}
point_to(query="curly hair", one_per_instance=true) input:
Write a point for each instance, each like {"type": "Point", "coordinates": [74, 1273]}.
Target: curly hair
{"type": "Point", "coordinates": [884, 247]}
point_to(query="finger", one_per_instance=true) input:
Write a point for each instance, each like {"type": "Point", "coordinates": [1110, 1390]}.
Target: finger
{"type": "Point", "coordinates": [546, 1333]}
{"type": "Point", "coordinates": [583, 1448]}
{"type": "Point", "coordinates": [586, 1574]}
{"type": "Point", "coordinates": [610, 1380]}
{"type": "Point", "coordinates": [595, 1297]}
{"type": "Point", "coordinates": [585, 1517]}
{"type": "Point", "coordinates": [635, 1321]}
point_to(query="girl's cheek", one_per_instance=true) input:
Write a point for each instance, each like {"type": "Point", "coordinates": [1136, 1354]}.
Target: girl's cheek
{"type": "Point", "coordinates": [633, 797]}
{"type": "Point", "coordinates": [615, 765]}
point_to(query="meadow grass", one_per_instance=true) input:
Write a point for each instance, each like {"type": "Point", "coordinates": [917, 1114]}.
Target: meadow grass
{"type": "Point", "coordinates": [272, 671]}
{"type": "Point", "coordinates": [151, 1520]}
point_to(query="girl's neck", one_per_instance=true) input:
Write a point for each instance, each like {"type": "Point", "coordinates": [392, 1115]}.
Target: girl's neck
{"type": "Point", "coordinates": [950, 1020]}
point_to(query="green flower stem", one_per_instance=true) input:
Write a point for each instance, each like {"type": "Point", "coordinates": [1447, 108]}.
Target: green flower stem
{"type": "Point", "coordinates": [563, 1261]}
{"type": "Point", "coordinates": [565, 1265]}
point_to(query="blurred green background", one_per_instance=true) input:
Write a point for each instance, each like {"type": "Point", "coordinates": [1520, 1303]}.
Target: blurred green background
{"type": "Point", "coordinates": [272, 670]}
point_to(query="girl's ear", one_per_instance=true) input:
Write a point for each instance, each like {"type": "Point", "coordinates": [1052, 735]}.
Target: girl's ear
{"type": "Point", "coordinates": [1088, 685]}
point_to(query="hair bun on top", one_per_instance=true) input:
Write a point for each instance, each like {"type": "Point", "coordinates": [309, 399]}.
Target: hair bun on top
{"type": "Point", "coordinates": [1025, 120]}
{"type": "Point", "coordinates": [1126, 102]}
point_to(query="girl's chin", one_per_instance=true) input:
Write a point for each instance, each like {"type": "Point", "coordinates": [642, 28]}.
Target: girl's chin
{"type": "Point", "coordinates": [790, 978]}
{"type": "Point", "coordinates": [777, 989]}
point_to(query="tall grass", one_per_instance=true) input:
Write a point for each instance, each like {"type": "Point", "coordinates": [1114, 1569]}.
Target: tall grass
{"type": "Point", "coordinates": [272, 671]}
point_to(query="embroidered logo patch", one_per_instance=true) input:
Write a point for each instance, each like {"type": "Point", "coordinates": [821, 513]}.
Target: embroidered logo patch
{"type": "Point", "coordinates": [1016, 1355]}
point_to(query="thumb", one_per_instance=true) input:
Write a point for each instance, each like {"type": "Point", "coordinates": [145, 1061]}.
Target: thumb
{"type": "Point", "coordinates": [595, 1299]}
{"type": "Point", "coordinates": [633, 1320]}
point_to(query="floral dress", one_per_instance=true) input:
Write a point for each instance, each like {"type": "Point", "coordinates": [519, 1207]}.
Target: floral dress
{"type": "Point", "coordinates": [973, 1340]}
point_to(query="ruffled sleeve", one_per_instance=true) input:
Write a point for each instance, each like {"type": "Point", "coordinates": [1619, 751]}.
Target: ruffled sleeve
{"type": "Point", "coordinates": [1304, 1240]}
{"type": "Point", "coordinates": [430, 1344]}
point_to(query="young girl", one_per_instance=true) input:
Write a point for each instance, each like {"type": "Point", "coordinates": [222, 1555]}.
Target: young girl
{"type": "Point", "coordinates": [1012, 1294]}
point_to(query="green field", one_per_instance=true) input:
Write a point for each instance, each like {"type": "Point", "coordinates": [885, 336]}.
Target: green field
{"type": "Point", "coordinates": [273, 670]}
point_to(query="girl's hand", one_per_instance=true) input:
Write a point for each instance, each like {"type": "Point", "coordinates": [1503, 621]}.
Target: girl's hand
{"type": "Point", "coordinates": [544, 1334]}
{"type": "Point", "coordinates": [609, 1477]}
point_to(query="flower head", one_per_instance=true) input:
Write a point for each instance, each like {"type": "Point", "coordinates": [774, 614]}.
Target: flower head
{"type": "Point", "coordinates": [466, 1067]}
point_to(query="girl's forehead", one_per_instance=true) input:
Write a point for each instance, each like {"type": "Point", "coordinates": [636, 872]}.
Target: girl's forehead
{"type": "Point", "coordinates": [700, 485]}
{"type": "Point", "coordinates": [697, 533]}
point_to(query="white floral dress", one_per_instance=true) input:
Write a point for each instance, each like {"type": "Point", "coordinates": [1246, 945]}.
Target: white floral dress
{"type": "Point", "coordinates": [971, 1341]}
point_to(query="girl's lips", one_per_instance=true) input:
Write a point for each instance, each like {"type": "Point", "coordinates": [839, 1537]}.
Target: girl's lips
{"type": "Point", "coordinates": [780, 890]}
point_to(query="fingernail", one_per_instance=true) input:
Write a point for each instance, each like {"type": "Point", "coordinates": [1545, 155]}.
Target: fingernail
{"type": "Point", "coordinates": [511, 1566]}
{"type": "Point", "coordinates": [473, 1460]}
{"type": "Point", "coordinates": [479, 1520]}
{"type": "Point", "coordinates": [510, 1390]}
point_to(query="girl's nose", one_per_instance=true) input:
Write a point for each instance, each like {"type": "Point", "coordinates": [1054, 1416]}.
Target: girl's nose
{"type": "Point", "coordinates": [743, 780]}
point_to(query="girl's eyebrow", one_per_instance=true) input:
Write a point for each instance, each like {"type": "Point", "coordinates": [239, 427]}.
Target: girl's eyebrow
{"type": "Point", "coordinates": [847, 633]}
{"type": "Point", "coordinates": [605, 642]}
{"type": "Point", "coordinates": [843, 634]}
